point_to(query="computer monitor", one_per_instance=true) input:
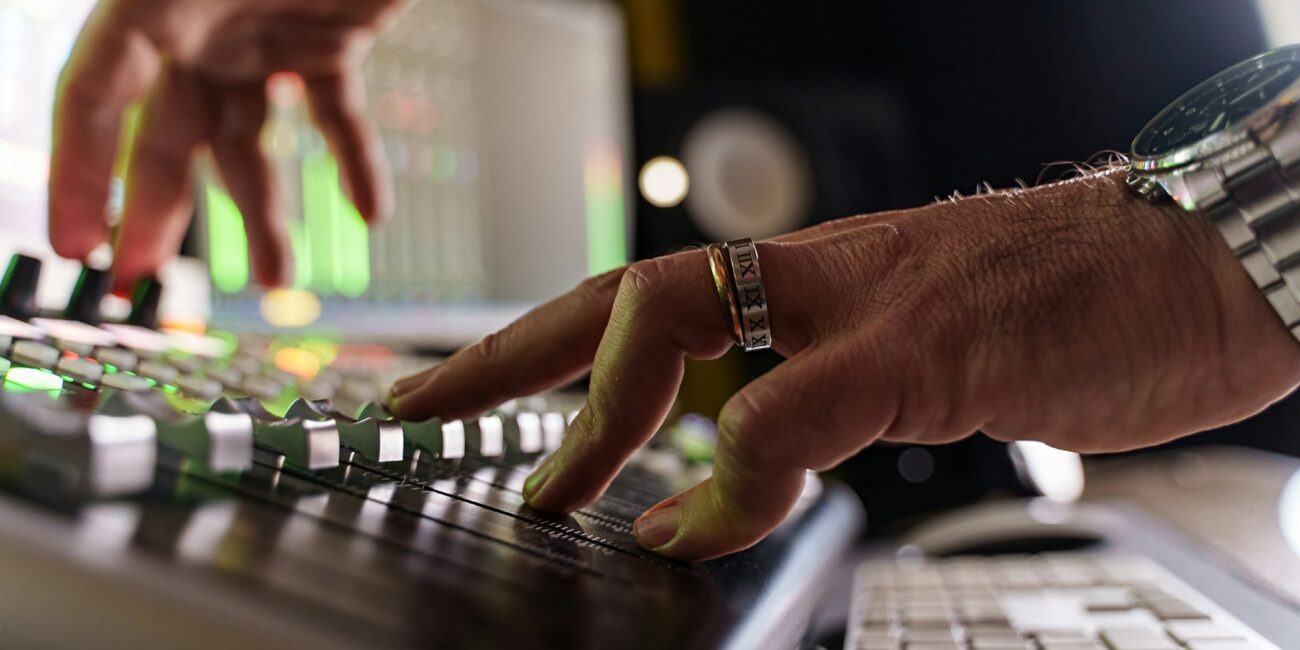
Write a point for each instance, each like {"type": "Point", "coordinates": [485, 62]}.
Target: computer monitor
{"type": "Point", "coordinates": [36, 37]}
{"type": "Point", "coordinates": [506, 126]}
{"type": "Point", "coordinates": [505, 123]}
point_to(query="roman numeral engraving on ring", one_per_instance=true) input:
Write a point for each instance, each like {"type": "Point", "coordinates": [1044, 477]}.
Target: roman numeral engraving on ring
{"type": "Point", "coordinates": [754, 298]}
{"type": "Point", "coordinates": [759, 323]}
{"type": "Point", "coordinates": [758, 341]}
{"type": "Point", "coordinates": [745, 261]}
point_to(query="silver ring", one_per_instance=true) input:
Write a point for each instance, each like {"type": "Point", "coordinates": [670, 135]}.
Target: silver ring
{"type": "Point", "coordinates": [751, 296]}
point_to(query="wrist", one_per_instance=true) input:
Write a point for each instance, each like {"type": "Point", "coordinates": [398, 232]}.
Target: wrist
{"type": "Point", "coordinates": [1259, 356]}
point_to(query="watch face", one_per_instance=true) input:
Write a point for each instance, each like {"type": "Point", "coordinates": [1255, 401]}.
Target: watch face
{"type": "Point", "coordinates": [1219, 104]}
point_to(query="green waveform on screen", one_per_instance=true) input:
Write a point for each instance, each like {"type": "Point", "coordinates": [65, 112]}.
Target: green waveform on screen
{"type": "Point", "coordinates": [606, 239]}
{"type": "Point", "coordinates": [227, 243]}
{"type": "Point", "coordinates": [330, 243]}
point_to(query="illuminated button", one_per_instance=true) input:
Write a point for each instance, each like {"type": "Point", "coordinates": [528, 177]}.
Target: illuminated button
{"type": "Point", "coordinates": [80, 370]}
{"type": "Point", "coordinates": [158, 371]}
{"type": "Point", "coordinates": [199, 387]}
{"type": "Point", "coordinates": [124, 381]}
{"type": "Point", "coordinates": [118, 358]}
{"type": "Point", "coordinates": [37, 355]}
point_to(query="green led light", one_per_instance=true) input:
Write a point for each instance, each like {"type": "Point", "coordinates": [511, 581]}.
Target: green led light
{"type": "Point", "coordinates": [31, 379]}
{"type": "Point", "coordinates": [169, 388]}
{"type": "Point", "coordinates": [110, 369]}
{"type": "Point", "coordinates": [606, 239]}
{"type": "Point", "coordinates": [227, 242]}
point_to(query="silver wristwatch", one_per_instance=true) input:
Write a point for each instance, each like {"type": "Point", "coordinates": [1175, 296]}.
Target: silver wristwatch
{"type": "Point", "coordinates": [1230, 150]}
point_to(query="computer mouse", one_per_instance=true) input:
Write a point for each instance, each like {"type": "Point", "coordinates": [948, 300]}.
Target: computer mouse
{"type": "Point", "coordinates": [1010, 526]}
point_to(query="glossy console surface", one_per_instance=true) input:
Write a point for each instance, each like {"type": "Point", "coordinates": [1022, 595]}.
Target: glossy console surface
{"type": "Point", "coordinates": [409, 553]}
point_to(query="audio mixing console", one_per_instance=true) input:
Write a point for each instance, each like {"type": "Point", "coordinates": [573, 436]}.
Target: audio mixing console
{"type": "Point", "coordinates": [166, 488]}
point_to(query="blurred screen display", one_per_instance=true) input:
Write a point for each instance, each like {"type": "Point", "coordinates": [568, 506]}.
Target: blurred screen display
{"type": "Point", "coordinates": [36, 37]}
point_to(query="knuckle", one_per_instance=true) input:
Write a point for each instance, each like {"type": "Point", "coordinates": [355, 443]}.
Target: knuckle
{"type": "Point", "coordinates": [600, 288]}
{"type": "Point", "coordinates": [738, 435]}
{"type": "Point", "coordinates": [644, 279]}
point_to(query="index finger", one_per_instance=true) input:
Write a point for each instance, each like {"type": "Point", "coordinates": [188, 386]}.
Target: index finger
{"type": "Point", "coordinates": [111, 66]}
{"type": "Point", "coordinates": [548, 347]}
{"type": "Point", "coordinates": [666, 309]}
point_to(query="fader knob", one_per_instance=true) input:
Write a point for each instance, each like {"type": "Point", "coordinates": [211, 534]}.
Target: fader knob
{"type": "Point", "coordinates": [144, 303]}
{"type": "Point", "coordinates": [83, 305]}
{"type": "Point", "coordinates": [18, 290]}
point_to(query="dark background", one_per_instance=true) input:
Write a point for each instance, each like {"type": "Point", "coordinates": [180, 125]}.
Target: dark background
{"type": "Point", "coordinates": [899, 102]}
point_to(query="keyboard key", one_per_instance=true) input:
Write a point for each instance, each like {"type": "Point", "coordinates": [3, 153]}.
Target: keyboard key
{"type": "Point", "coordinates": [1110, 599]}
{"type": "Point", "coordinates": [36, 355]}
{"type": "Point", "coordinates": [1001, 645]}
{"type": "Point", "coordinates": [929, 635]}
{"type": "Point", "coordinates": [1224, 645]}
{"type": "Point", "coordinates": [1170, 608]}
{"type": "Point", "coordinates": [1072, 645]}
{"type": "Point", "coordinates": [1062, 636]}
{"type": "Point", "coordinates": [1136, 638]}
{"type": "Point", "coordinates": [1185, 631]}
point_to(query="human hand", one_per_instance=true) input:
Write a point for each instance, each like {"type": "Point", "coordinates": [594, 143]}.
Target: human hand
{"type": "Point", "coordinates": [1072, 314]}
{"type": "Point", "coordinates": [201, 68]}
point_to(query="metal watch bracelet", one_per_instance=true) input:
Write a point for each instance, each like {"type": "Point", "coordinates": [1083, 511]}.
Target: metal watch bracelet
{"type": "Point", "coordinates": [1254, 202]}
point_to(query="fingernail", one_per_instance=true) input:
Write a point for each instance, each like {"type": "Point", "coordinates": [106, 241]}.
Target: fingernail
{"type": "Point", "coordinates": [537, 480]}
{"type": "Point", "coordinates": [659, 526]}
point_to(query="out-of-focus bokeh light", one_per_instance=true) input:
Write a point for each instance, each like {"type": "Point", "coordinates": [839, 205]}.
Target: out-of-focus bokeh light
{"type": "Point", "coordinates": [290, 307]}
{"type": "Point", "coordinates": [299, 362]}
{"type": "Point", "coordinates": [1056, 473]}
{"type": "Point", "coordinates": [664, 182]}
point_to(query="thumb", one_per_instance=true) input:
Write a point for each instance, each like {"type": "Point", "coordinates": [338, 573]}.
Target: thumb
{"type": "Point", "coordinates": [810, 413]}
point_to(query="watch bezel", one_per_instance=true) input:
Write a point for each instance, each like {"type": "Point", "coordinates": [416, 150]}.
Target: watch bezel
{"type": "Point", "coordinates": [1235, 134]}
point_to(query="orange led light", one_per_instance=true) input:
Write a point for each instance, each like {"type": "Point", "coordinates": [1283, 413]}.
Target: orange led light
{"type": "Point", "coordinates": [191, 324]}
{"type": "Point", "coordinates": [297, 361]}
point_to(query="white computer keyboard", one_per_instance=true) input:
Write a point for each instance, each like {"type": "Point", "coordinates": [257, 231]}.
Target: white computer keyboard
{"type": "Point", "coordinates": [1060, 601]}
